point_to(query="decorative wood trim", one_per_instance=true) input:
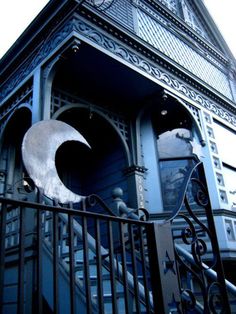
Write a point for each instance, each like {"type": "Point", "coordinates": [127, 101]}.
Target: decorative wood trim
{"type": "Point", "coordinates": [144, 60]}
{"type": "Point", "coordinates": [137, 60]}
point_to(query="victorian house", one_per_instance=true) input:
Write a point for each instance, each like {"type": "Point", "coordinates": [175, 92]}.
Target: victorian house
{"type": "Point", "coordinates": [118, 164]}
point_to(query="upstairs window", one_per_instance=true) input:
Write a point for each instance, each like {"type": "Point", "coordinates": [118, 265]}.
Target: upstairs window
{"type": "Point", "coordinates": [101, 2]}
{"type": "Point", "coordinates": [171, 5]}
{"type": "Point", "coordinates": [191, 19]}
{"type": "Point", "coordinates": [185, 11]}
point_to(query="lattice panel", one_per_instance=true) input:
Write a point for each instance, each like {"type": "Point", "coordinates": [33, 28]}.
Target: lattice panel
{"type": "Point", "coordinates": [195, 112]}
{"type": "Point", "coordinates": [120, 124]}
{"type": "Point", "coordinates": [60, 99]}
{"type": "Point", "coordinates": [24, 95]}
{"type": "Point", "coordinates": [172, 46]}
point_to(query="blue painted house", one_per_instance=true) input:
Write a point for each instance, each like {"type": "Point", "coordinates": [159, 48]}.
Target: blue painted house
{"type": "Point", "coordinates": [118, 162]}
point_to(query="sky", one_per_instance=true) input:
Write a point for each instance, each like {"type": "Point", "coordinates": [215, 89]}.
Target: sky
{"type": "Point", "coordinates": [16, 15]}
{"type": "Point", "coordinates": [223, 14]}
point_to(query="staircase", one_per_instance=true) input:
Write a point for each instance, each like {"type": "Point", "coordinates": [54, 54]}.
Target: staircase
{"type": "Point", "coordinates": [106, 284]}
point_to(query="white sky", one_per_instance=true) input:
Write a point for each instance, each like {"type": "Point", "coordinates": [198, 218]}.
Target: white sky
{"type": "Point", "coordinates": [223, 14]}
{"type": "Point", "coordinates": [15, 16]}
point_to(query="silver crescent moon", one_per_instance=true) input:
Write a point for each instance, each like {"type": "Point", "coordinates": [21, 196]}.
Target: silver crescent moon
{"type": "Point", "coordinates": [39, 148]}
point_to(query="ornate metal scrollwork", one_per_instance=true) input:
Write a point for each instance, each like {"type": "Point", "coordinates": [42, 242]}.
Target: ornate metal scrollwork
{"type": "Point", "coordinates": [93, 200]}
{"type": "Point", "coordinates": [215, 300]}
{"type": "Point", "coordinates": [189, 300]}
{"type": "Point", "coordinates": [197, 251]}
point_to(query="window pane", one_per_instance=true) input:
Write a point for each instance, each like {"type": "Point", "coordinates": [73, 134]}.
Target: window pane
{"type": "Point", "coordinates": [171, 4]}
{"type": "Point", "coordinates": [174, 175]}
{"type": "Point", "coordinates": [230, 182]}
{"type": "Point", "coordinates": [175, 143]}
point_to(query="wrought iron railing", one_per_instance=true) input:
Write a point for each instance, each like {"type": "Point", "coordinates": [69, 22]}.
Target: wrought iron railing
{"type": "Point", "coordinates": [109, 264]}
{"type": "Point", "coordinates": [105, 260]}
{"type": "Point", "coordinates": [197, 238]}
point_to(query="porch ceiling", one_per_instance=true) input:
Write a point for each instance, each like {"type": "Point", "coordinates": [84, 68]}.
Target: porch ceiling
{"type": "Point", "coordinates": [98, 78]}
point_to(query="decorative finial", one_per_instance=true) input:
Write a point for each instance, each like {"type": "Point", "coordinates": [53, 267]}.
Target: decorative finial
{"type": "Point", "coordinates": [117, 193]}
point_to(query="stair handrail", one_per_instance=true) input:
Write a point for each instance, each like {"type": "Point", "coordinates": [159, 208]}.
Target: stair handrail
{"type": "Point", "coordinates": [209, 272]}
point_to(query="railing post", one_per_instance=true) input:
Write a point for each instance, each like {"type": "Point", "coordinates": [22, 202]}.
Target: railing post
{"type": "Point", "coordinates": [163, 272]}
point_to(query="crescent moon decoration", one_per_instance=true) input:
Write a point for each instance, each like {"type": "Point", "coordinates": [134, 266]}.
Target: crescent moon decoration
{"type": "Point", "coordinates": [39, 149]}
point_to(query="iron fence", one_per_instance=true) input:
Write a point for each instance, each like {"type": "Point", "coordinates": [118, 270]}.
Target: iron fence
{"type": "Point", "coordinates": [72, 259]}
{"type": "Point", "coordinates": [81, 261]}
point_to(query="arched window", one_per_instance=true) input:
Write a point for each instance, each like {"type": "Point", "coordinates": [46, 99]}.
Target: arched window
{"type": "Point", "coordinates": [177, 145]}
{"type": "Point", "coordinates": [171, 149]}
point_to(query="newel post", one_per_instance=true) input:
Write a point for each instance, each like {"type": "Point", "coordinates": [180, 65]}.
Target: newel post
{"type": "Point", "coordinates": [163, 272]}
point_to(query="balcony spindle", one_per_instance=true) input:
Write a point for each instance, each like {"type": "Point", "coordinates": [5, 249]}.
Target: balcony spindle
{"type": "Point", "coordinates": [55, 263]}
{"type": "Point", "coordinates": [71, 263]}
{"type": "Point", "coordinates": [86, 265]}
{"type": "Point", "coordinates": [124, 266]}
{"type": "Point", "coordinates": [134, 267]}
{"type": "Point", "coordinates": [99, 266]}
{"type": "Point", "coordinates": [21, 266]}
{"type": "Point", "coordinates": [112, 268]}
